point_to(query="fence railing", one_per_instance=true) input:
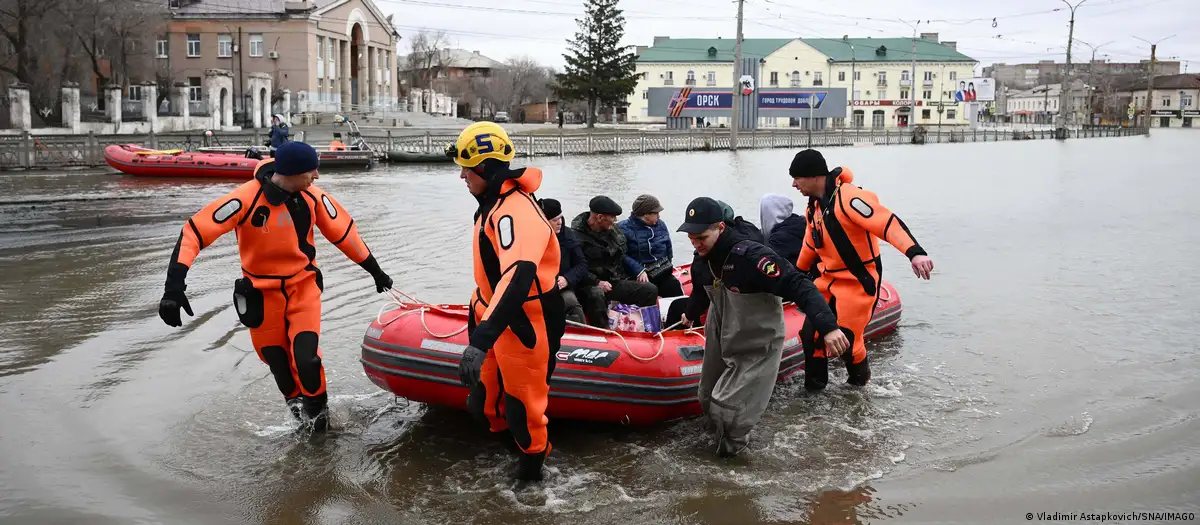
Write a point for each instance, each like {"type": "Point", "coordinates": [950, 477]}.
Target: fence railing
{"type": "Point", "coordinates": [55, 151]}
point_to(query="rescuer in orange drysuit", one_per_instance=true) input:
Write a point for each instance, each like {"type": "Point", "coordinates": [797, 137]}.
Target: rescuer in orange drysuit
{"type": "Point", "coordinates": [517, 312]}
{"type": "Point", "coordinates": [845, 223]}
{"type": "Point", "coordinates": [279, 296]}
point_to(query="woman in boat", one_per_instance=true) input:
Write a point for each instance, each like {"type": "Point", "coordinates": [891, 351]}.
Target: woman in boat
{"type": "Point", "coordinates": [648, 242]}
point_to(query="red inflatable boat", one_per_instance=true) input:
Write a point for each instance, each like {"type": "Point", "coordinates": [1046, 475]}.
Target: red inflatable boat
{"type": "Point", "coordinates": [143, 162]}
{"type": "Point", "coordinates": [620, 377]}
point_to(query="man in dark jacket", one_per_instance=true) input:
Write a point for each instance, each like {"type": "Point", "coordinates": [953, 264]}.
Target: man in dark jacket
{"type": "Point", "coordinates": [697, 302]}
{"type": "Point", "coordinates": [612, 275]}
{"type": "Point", "coordinates": [744, 335]}
{"type": "Point", "coordinates": [649, 243]}
{"type": "Point", "coordinates": [279, 131]}
{"type": "Point", "coordinates": [572, 265]}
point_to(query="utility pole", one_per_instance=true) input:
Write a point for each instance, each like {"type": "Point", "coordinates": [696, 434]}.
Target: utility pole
{"type": "Point", "coordinates": [913, 73]}
{"type": "Point", "coordinates": [1064, 106]}
{"type": "Point", "coordinates": [1150, 79]}
{"type": "Point", "coordinates": [737, 88]}
{"type": "Point", "coordinates": [1092, 78]}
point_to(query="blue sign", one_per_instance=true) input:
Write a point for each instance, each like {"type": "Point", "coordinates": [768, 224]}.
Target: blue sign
{"type": "Point", "coordinates": [699, 100]}
{"type": "Point", "coordinates": [790, 100]}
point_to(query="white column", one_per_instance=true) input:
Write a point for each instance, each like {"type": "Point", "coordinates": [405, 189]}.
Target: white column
{"type": "Point", "coordinates": [150, 104]}
{"type": "Point", "coordinates": [18, 107]}
{"type": "Point", "coordinates": [345, 72]}
{"type": "Point", "coordinates": [70, 106]}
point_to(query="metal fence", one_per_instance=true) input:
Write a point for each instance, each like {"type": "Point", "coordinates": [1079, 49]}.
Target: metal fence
{"type": "Point", "coordinates": [54, 151]}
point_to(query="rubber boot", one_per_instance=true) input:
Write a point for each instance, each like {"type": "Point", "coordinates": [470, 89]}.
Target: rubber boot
{"type": "Point", "coordinates": [294, 405]}
{"type": "Point", "coordinates": [529, 466]}
{"type": "Point", "coordinates": [317, 411]}
{"type": "Point", "coordinates": [510, 443]}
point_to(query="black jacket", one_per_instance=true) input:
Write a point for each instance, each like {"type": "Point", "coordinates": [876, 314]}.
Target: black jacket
{"type": "Point", "coordinates": [745, 265]}
{"type": "Point", "coordinates": [572, 264]}
{"type": "Point", "coordinates": [788, 237]}
{"type": "Point", "coordinates": [605, 253]}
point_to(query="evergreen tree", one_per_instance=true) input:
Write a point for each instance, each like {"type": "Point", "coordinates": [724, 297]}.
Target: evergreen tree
{"type": "Point", "coordinates": [599, 69]}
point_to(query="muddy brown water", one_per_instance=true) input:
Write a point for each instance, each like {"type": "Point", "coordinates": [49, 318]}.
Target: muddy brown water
{"type": "Point", "coordinates": [1051, 364]}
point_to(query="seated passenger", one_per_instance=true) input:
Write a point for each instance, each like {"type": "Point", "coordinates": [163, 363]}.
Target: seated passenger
{"type": "Point", "coordinates": [783, 229]}
{"type": "Point", "coordinates": [612, 275]}
{"type": "Point", "coordinates": [648, 241]}
{"type": "Point", "coordinates": [572, 269]}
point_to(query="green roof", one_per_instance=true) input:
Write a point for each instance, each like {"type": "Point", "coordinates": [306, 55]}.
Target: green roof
{"type": "Point", "coordinates": [696, 49]}
{"type": "Point", "coordinates": [898, 49]}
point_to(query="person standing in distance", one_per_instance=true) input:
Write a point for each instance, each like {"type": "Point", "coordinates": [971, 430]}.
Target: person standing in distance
{"type": "Point", "coordinates": [517, 314]}
{"type": "Point", "coordinates": [845, 223]}
{"type": "Point", "coordinates": [279, 295]}
{"type": "Point", "coordinates": [746, 283]}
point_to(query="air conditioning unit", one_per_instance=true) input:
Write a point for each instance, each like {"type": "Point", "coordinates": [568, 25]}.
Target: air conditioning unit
{"type": "Point", "coordinates": [273, 55]}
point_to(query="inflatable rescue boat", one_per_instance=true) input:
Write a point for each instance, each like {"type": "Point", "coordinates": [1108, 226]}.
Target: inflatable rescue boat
{"type": "Point", "coordinates": [635, 378]}
{"type": "Point", "coordinates": [143, 162]}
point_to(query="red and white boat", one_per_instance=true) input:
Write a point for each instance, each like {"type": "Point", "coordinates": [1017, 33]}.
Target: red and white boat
{"type": "Point", "coordinates": [621, 377]}
{"type": "Point", "coordinates": [144, 162]}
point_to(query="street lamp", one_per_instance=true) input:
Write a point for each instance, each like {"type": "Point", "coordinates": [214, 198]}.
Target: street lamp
{"type": "Point", "coordinates": [853, 59]}
{"type": "Point", "coordinates": [1150, 80]}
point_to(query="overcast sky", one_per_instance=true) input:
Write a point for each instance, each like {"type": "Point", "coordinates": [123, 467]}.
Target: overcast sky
{"type": "Point", "coordinates": [1025, 30]}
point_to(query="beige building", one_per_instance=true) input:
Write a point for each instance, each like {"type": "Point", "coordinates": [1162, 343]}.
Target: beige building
{"type": "Point", "coordinates": [877, 74]}
{"type": "Point", "coordinates": [329, 55]}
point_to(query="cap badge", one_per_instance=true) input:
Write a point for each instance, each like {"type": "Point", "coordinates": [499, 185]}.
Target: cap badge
{"type": "Point", "coordinates": [692, 212]}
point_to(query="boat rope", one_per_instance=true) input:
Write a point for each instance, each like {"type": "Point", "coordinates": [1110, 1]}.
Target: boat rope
{"type": "Point", "coordinates": [397, 302]}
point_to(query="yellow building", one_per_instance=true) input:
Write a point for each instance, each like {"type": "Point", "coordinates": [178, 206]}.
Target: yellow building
{"type": "Point", "coordinates": [876, 72]}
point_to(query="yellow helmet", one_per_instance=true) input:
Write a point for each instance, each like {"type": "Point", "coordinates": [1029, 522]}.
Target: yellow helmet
{"type": "Point", "coordinates": [481, 140]}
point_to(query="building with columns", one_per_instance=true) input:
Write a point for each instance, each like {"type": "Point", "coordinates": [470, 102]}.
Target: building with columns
{"type": "Point", "coordinates": [328, 55]}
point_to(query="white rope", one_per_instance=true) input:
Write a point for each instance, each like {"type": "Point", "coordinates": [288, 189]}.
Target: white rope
{"type": "Point", "coordinates": [397, 303]}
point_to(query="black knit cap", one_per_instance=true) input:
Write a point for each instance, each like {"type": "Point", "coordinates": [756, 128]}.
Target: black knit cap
{"type": "Point", "coordinates": [551, 208]}
{"type": "Point", "coordinates": [604, 205]}
{"type": "Point", "coordinates": [808, 163]}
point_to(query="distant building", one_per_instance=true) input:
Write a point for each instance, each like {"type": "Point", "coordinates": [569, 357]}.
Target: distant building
{"type": "Point", "coordinates": [333, 55]}
{"type": "Point", "coordinates": [1176, 102]}
{"type": "Point", "coordinates": [1027, 76]}
{"type": "Point", "coordinates": [443, 66]}
{"type": "Point", "coordinates": [876, 72]}
{"type": "Point", "coordinates": [1040, 104]}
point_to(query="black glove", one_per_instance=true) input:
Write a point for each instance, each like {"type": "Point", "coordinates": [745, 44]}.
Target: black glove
{"type": "Point", "coordinates": [168, 307]}
{"type": "Point", "coordinates": [471, 366]}
{"type": "Point", "coordinates": [382, 282]}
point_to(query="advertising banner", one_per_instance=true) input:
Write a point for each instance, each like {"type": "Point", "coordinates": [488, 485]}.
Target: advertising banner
{"type": "Point", "coordinates": [975, 90]}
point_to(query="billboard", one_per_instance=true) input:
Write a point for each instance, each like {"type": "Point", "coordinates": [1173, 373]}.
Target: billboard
{"type": "Point", "coordinates": [768, 102]}
{"type": "Point", "coordinates": [975, 90]}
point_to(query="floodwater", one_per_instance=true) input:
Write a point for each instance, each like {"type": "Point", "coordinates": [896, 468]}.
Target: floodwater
{"type": "Point", "coordinates": [1051, 365]}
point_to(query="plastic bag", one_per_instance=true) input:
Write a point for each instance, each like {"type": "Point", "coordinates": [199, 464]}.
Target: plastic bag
{"type": "Point", "coordinates": [629, 318]}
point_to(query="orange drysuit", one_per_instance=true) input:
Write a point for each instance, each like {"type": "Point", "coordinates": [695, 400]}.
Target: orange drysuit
{"type": "Point", "coordinates": [279, 298]}
{"type": "Point", "coordinates": [844, 229]}
{"type": "Point", "coordinates": [518, 316]}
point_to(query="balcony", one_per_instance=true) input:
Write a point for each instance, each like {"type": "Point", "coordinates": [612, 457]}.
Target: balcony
{"type": "Point", "coordinates": [818, 83]}
{"type": "Point", "coordinates": [927, 83]}
{"type": "Point", "coordinates": [668, 82]}
{"type": "Point", "coordinates": [881, 83]}
{"type": "Point", "coordinates": [904, 82]}
{"type": "Point", "coordinates": [690, 82]}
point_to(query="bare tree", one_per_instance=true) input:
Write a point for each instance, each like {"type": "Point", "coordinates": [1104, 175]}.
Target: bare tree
{"type": "Point", "coordinates": [428, 59]}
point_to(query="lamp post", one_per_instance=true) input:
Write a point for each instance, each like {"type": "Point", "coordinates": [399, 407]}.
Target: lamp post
{"type": "Point", "coordinates": [1150, 80]}
{"type": "Point", "coordinates": [853, 60]}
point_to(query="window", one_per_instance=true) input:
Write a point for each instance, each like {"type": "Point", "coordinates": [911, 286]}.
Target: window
{"type": "Point", "coordinates": [645, 94]}
{"type": "Point", "coordinates": [669, 78]}
{"type": "Point", "coordinates": [224, 45]}
{"type": "Point", "coordinates": [925, 113]}
{"type": "Point", "coordinates": [953, 75]}
{"type": "Point", "coordinates": [817, 79]}
{"type": "Point", "coordinates": [1166, 101]}
{"type": "Point", "coordinates": [1185, 101]}
{"type": "Point", "coordinates": [320, 90]}
{"type": "Point", "coordinates": [795, 79]}
{"type": "Point", "coordinates": [711, 79]}
{"type": "Point", "coordinates": [877, 118]}
{"type": "Point", "coordinates": [883, 78]}
{"type": "Point", "coordinates": [858, 75]}
{"type": "Point", "coordinates": [903, 94]}
{"type": "Point", "coordinates": [858, 118]}
{"type": "Point", "coordinates": [193, 41]}
{"type": "Point", "coordinates": [841, 76]}
{"type": "Point", "coordinates": [135, 93]}
{"type": "Point", "coordinates": [904, 75]}
{"type": "Point", "coordinates": [331, 61]}
{"type": "Point", "coordinates": [161, 47]}
{"type": "Point", "coordinates": [950, 114]}
{"type": "Point", "coordinates": [256, 45]}
{"type": "Point", "coordinates": [927, 94]}
{"type": "Point", "coordinates": [194, 93]}
{"type": "Point", "coordinates": [882, 95]}
{"type": "Point", "coordinates": [774, 78]}
{"type": "Point", "coordinates": [929, 76]}
{"type": "Point", "coordinates": [320, 60]}
{"type": "Point", "coordinates": [691, 78]}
